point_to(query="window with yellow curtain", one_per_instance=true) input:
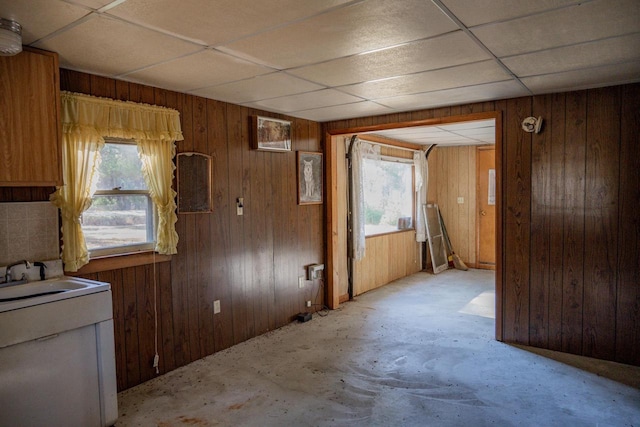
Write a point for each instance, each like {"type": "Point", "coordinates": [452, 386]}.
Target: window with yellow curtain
{"type": "Point", "coordinates": [87, 121]}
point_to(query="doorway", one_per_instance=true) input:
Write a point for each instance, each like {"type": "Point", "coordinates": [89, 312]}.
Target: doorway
{"type": "Point", "coordinates": [336, 232]}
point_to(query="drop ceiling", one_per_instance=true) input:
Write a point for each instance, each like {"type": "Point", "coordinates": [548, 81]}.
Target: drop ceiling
{"type": "Point", "coordinates": [326, 60]}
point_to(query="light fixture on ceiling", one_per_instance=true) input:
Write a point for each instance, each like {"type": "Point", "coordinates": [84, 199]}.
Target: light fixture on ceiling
{"type": "Point", "coordinates": [10, 37]}
{"type": "Point", "coordinates": [532, 124]}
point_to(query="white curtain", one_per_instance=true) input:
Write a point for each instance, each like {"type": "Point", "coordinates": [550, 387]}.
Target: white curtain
{"type": "Point", "coordinates": [361, 150]}
{"type": "Point", "coordinates": [421, 169]}
{"type": "Point", "coordinates": [357, 201]}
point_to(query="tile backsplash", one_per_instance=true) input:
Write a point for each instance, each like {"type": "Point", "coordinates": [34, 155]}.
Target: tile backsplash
{"type": "Point", "coordinates": [28, 231]}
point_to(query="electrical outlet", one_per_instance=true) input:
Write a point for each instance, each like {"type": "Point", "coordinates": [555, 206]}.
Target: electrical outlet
{"type": "Point", "coordinates": [308, 303]}
{"type": "Point", "coordinates": [460, 200]}
{"type": "Point", "coordinates": [216, 306]}
{"type": "Point", "coordinates": [300, 282]}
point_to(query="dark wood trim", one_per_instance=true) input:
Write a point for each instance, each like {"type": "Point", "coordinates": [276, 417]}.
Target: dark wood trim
{"type": "Point", "coordinates": [116, 262]}
{"type": "Point", "coordinates": [412, 123]}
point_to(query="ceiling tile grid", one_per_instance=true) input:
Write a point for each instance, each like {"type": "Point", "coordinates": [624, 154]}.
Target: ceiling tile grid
{"type": "Point", "coordinates": [338, 59]}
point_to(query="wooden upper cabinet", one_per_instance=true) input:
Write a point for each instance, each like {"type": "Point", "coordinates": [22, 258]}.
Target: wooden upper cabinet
{"type": "Point", "coordinates": [30, 128]}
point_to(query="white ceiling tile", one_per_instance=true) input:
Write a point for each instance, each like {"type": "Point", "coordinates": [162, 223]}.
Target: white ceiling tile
{"type": "Point", "coordinates": [575, 24]}
{"type": "Point", "coordinates": [94, 4]}
{"type": "Point", "coordinates": [345, 111]}
{"type": "Point", "coordinates": [473, 125]}
{"type": "Point", "coordinates": [306, 101]}
{"type": "Point", "coordinates": [439, 52]}
{"type": "Point", "coordinates": [113, 47]}
{"type": "Point", "coordinates": [446, 134]}
{"type": "Point", "coordinates": [501, 90]}
{"type": "Point", "coordinates": [220, 21]}
{"type": "Point", "coordinates": [258, 88]}
{"type": "Point", "coordinates": [40, 18]}
{"type": "Point", "coordinates": [482, 11]}
{"type": "Point", "coordinates": [202, 69]}
{"type": "Point", "coordinates": [360, 27]}
{"type": "Point", "coordinates": [463, 75]}
{"type": "Point", "coordinates": [608, 51]}
{"type": "Point", "coordinates": [583, 79]}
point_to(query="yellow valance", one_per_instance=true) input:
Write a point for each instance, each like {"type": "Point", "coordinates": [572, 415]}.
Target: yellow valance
{"type": "Point", "coordinates": [86, 121]}
{"type": "Point", "coordinates": [98, 117]}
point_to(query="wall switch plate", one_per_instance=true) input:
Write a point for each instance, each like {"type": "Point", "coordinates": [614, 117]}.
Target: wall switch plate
{"type": "Point", "coordinates": [308, 303]}
{"type": "Point", "coordinates": [216, 306]}
{"type": "Point", "coordinates": [460, 200]}
{"type": "Point", "coordinates": [300, 282]}
{"type": "Point", "coordinates": [239, 206]}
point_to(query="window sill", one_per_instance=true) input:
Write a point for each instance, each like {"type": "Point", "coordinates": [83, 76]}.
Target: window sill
{"type": "Point", "coordinates": [115, 262]}
{"type": "Point", "coordinates": [390, 232]}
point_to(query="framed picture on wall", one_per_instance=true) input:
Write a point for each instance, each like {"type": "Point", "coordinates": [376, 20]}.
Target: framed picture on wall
{"type": "Point", "coordinates": [309, 178]}
{"type": "Point", "coordinates": [270, 134]}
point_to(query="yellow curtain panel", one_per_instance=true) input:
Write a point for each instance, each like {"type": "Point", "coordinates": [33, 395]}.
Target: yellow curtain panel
{"type": "Point", "coordinates": [86, 121]}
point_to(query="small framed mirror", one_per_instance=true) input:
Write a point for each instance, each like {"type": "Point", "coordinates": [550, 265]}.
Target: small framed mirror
{"type": "Point", "coordinates": [194, 183]}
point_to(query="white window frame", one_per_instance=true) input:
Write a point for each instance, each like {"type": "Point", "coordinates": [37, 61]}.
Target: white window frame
{"type": "Point", "coordinates": [409, 162]}
{"type": "Point", "coordinates": [152, 222]}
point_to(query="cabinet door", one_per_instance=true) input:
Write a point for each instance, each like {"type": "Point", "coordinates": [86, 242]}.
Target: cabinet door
{"type": "Point", "coordinates": [30, 119]}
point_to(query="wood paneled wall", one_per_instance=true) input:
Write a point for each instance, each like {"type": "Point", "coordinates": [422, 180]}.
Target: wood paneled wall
{"type": "Point", "coordinates": [250, 263]}
{"type": "Point", "coordinates": [570, 278]}
{"type": "Point", "coordinates": [388, 257]}
{"type": "Point", "coordinates": [455, 176]}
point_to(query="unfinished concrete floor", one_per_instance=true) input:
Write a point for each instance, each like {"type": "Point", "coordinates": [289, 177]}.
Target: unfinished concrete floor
{"type": "Point", "coordinates": [418, 352]}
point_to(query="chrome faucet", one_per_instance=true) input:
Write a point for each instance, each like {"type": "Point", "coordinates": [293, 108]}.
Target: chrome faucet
{"type": "Point", "coordinates": [7, 275]}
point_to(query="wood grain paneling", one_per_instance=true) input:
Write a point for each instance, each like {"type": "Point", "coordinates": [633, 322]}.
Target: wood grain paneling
{"type": "Point", "coordinates": [601, 223]}
{"type": "Point", "coordinates": [573, 221]}
{"type": "Point", "coordinates": [454, 170]}
{"type": "Point", "coordinates": [628, 290]}
{"type": "Point", "coordinates": [250, 263]}
{"type": "Point", "coordinates": [568, 227]}
{"type": "Point", "coordinates": [388, 257]}
{"type": "Point", "coordinates": [30, 127]}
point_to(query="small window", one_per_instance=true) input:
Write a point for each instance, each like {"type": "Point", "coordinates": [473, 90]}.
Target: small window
{"type": "Point", "coordinates": [121, 218]}
{"type": "Point", "coordinates": [388, 196]}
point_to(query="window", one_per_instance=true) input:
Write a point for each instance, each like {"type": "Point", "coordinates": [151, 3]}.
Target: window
{"type": "Point", "coordinates": [388, 195]}
{"type": "Point", "coordinates": [121, 217]}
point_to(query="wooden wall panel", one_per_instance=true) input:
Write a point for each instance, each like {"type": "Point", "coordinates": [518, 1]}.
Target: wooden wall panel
{"type": "Point", "coordinates": [601, 222]}
{"type": "Point", "coordinates": [517, 221]}
{"type": "Point", "coordinates": [628, 290]}
{"type": "Point", "coordinates": [573, 221]}
{"type": "Point", "coordinates": [388, 257]}
{"type": "Point", "coordinates": [540, 225]}
{"type": "Point", "coordinates": [568, 226]}
{"type": "Point", "coordinates": [250, 263]}
{"type": "Point", "coordinates": [454, 170]}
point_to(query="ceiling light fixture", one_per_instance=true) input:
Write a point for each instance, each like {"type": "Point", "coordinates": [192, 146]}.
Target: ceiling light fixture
{"type": "Point", "coordinates": [10, 37]}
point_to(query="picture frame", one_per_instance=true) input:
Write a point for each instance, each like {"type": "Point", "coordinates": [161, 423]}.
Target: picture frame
{"type": "Point", "coordinates": [270, 134]}
{"type": "Point", "coordinates": [194, 179]}
{"type": "Point", "coordinates": [310, 184]}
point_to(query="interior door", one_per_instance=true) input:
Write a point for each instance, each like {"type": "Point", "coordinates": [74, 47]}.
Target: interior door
{"type": "Point", "coordinates": [486, 200]}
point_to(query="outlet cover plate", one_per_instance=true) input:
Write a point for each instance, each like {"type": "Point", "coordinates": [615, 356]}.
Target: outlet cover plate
{"type": "Point", "coordinates": [216, 306]}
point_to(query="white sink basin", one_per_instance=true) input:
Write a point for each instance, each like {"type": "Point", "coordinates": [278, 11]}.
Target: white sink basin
{"type": "Point", "coordinates": [45, 291]}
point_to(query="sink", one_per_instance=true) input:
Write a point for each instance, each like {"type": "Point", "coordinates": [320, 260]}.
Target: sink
{"type": "Point", "coordinates": [45, 291]}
